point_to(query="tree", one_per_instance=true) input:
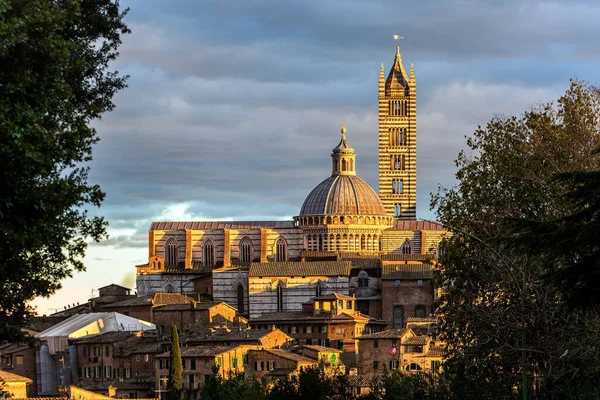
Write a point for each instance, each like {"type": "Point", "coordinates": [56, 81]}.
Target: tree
{"type": "Point", "coordinates": [54, 80]}
{"type": "Point", "coordinates": [176, 368]}
{"type": "Point", "coordinates": [502, 318]}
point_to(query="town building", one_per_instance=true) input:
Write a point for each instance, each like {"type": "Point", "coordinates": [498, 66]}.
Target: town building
{"type": "Point", "coordinates": [393, 349]}
{"type": "Point", "coordinates": [198, 363]}
{"type": "Point", "coordinates": [265, 338]}
{"type": "Point", "coordinates": [272, 364]}
{"type": "Point", "coordinates": [19, 359]}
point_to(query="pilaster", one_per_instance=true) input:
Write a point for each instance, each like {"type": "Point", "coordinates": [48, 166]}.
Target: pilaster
{"type": "Point", "coordinates": [188, 248]}
{"type": "Point", "coordinates": [226, 248]}
{"type": "Point", "coordinates": [423, 244]}
{"type": "Point", "coordinates": [264, 236]}
{"type": "Point", "coordinates": [151, 245]}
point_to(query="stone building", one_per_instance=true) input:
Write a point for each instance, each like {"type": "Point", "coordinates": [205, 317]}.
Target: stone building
{"type": "Point", "coordinates": [198, 363]}
{"type": "Point", "coordinates": [266, 338]}
{"type": "Point", "coordinates": [346, 239]}
{"type": "Point", "coordinates": [392, 349]}
{"type": "Point", "coordinates": [272, 364]}
{"type": "Point", "coordinates": [193, 317]}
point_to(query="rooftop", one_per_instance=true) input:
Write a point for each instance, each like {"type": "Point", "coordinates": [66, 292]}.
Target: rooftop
{"type": "Point", "coordinates": [416, 341]}
{"type": "Point", "coordinates": [241, 336]}
{"type": "Point", "coordinates": [137, 301]}
{"type": "Point", "coordinates": [387, 334]}
{"type": "Point", "coordinates": [334, 296]}
{"type": "Point", "coordinates": [208, 351]}
{"type": "Point", "coordinates": [290, 356]}
{"type": "Point", "coordinates": [208, 225]}
{"type": "Point", "coordinates": [108, 337]}
{"type": "Point", "coordinates": [321, 349]}
{"type": "Point", "coordinates": [310, 268]}
{"type": "Point", "coordinates": [10, 377]}
{"type": "Point", "coordinates": [407, 271]}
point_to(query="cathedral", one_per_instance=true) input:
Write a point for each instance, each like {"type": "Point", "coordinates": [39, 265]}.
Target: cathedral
{"type": "Point", "coordinates": [346, 240]}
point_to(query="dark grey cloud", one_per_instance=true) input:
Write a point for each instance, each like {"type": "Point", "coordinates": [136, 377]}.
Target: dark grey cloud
{"type": "Point", "coordinates": [233, 107]}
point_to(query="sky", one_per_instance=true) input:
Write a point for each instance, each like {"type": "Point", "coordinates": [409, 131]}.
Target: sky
{"type": "Point", "coordinates": [233, 107]}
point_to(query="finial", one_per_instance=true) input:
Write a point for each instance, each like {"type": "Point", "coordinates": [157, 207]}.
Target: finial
{"type": "Point", "coordinates": [343, 130]}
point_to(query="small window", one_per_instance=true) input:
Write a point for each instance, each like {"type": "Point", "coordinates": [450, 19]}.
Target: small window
{"type": "Point", "coordinates": [208, 253]}
{"type": "Point", "coordinates": [375, 344]}
{"type": "Point", "coordinates": [19, 360]}
{"type": "Point", "coordinates": [107, 351]}
{"type": "Point", "coordinates": [397, 282]}
{"type": "Point", "coordinates": [280, 250]}
{"type": "Point", "coordinates": [420, 282]}
{"type": "Point", "coordinates": [245, 250]}
{"type": "Point", "coordinates": [193, 364]}
{"type": "Point", "coordinates": [375, 364]}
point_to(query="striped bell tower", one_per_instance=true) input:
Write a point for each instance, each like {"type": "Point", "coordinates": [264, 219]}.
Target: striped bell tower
{"type": "Point", "coordinates": [397, 140]}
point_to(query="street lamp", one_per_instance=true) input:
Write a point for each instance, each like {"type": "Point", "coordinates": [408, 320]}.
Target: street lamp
{"type": "Point", "coordinates": [519, 288]}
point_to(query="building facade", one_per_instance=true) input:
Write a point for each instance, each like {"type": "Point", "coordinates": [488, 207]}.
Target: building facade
{"type": "Point", "coordinates": [346, 239]}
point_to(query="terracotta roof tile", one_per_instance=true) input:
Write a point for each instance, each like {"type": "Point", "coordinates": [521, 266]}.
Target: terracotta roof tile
{"type": "Point", "coordinates": [435, 352]}
{"type": "Point", "coordinates": [138, 301]}
{"type": "Point", "coordinates": [108, 337]}
{"type": "Point", "coordinates": [208, 351]}
{"type": "Point", "coordinates": [311, 268]}
{"type": "Point", "coordinates": [290, 356]}
{"type": "Point", "coordinates": [407, 271]}
{"type": "Point", "coordinates": [387, 334]}
{"type": "Point", "coordinates": [415, 341]}
{"type": "Point", "coordinates": [407, 257]}
{"type": "Point", "coordinates": [321, 349]}
{"type": "Point", "coordinates": [161, 299]}
{"type": "Point", "coordinates": [10, 377]}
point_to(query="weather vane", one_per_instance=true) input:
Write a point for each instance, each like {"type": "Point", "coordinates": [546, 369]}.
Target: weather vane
{"type": "Point", "coordinates": [398, 37]}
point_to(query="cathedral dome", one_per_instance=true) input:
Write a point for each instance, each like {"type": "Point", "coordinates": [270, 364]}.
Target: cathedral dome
{"type": "Point", "coordinates": [342, 195]}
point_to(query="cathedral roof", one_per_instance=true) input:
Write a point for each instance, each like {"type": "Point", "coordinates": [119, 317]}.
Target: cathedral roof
{"type": "Point", "coordinates": [343, 195]}
{"type": "Point", "coordinates": [206, 225]}
{"type": "Point", "coordinates": [290, 268]}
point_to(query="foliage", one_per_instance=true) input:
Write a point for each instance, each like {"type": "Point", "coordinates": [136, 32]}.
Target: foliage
{"type": "Point", "coordinates": [233, 388]}
{"type": "Point", "coordinates": [54, 80]}
{"type": "Point", "coordinates": [176, 368]}
{"type": "Point", "coordinates": [503, 317]}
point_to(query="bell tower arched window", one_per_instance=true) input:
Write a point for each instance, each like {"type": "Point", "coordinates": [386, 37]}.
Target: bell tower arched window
{"type": "Point", "coordinates": [208, 253]}
{"type": "Point", "coordinates": [397, 210]}
{"type": "Point", "coordinates": [245, 250]}
{"type": "Point", "coordinates": [171, 253]}
{"type": "Point", "coordinates": [280, 250]}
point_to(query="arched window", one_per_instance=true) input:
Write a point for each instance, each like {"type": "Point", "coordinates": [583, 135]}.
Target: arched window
{"type": "Point", "coordinates": [407, 247]}
{"type": "Point", "coordinates": [397, 186]}
{"type": "Point", "coordinates": [397, 210]}
{"type": "Point", "coordinates": [245, 250]}
{"type": "Point", "coordinates": [280, 250]}
{"type": "Point", "coordinates": [318, 288]}
{"type": "Point", "coordinates": [403, 166]}
{"type": "Point", "coordinates": [208, 253]}
{"type": "Point", "coordinates": [413, 367]}
{"type": "Point", "coordinates": [240, 299]}
{"type": "Point", "coordinates": [279, 298]}
{"type": "Point", "coordinates": [420, 312]}
{"type": "Point", "coordinates": [343, 164]}
{"type": "Point", "coordinates": [171, 253]}
{"type": "Point", "coordinates": [398, 317]}
{"type": "Point", "coordinates": [170, 289]}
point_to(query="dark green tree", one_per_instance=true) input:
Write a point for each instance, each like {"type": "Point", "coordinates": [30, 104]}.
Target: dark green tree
{"type": "Point", "coordinates": [54, 80]}
{"type": "Point", "coordinates": [176, 368]}
{"type": "Point", "coordinates": [503, 317]}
